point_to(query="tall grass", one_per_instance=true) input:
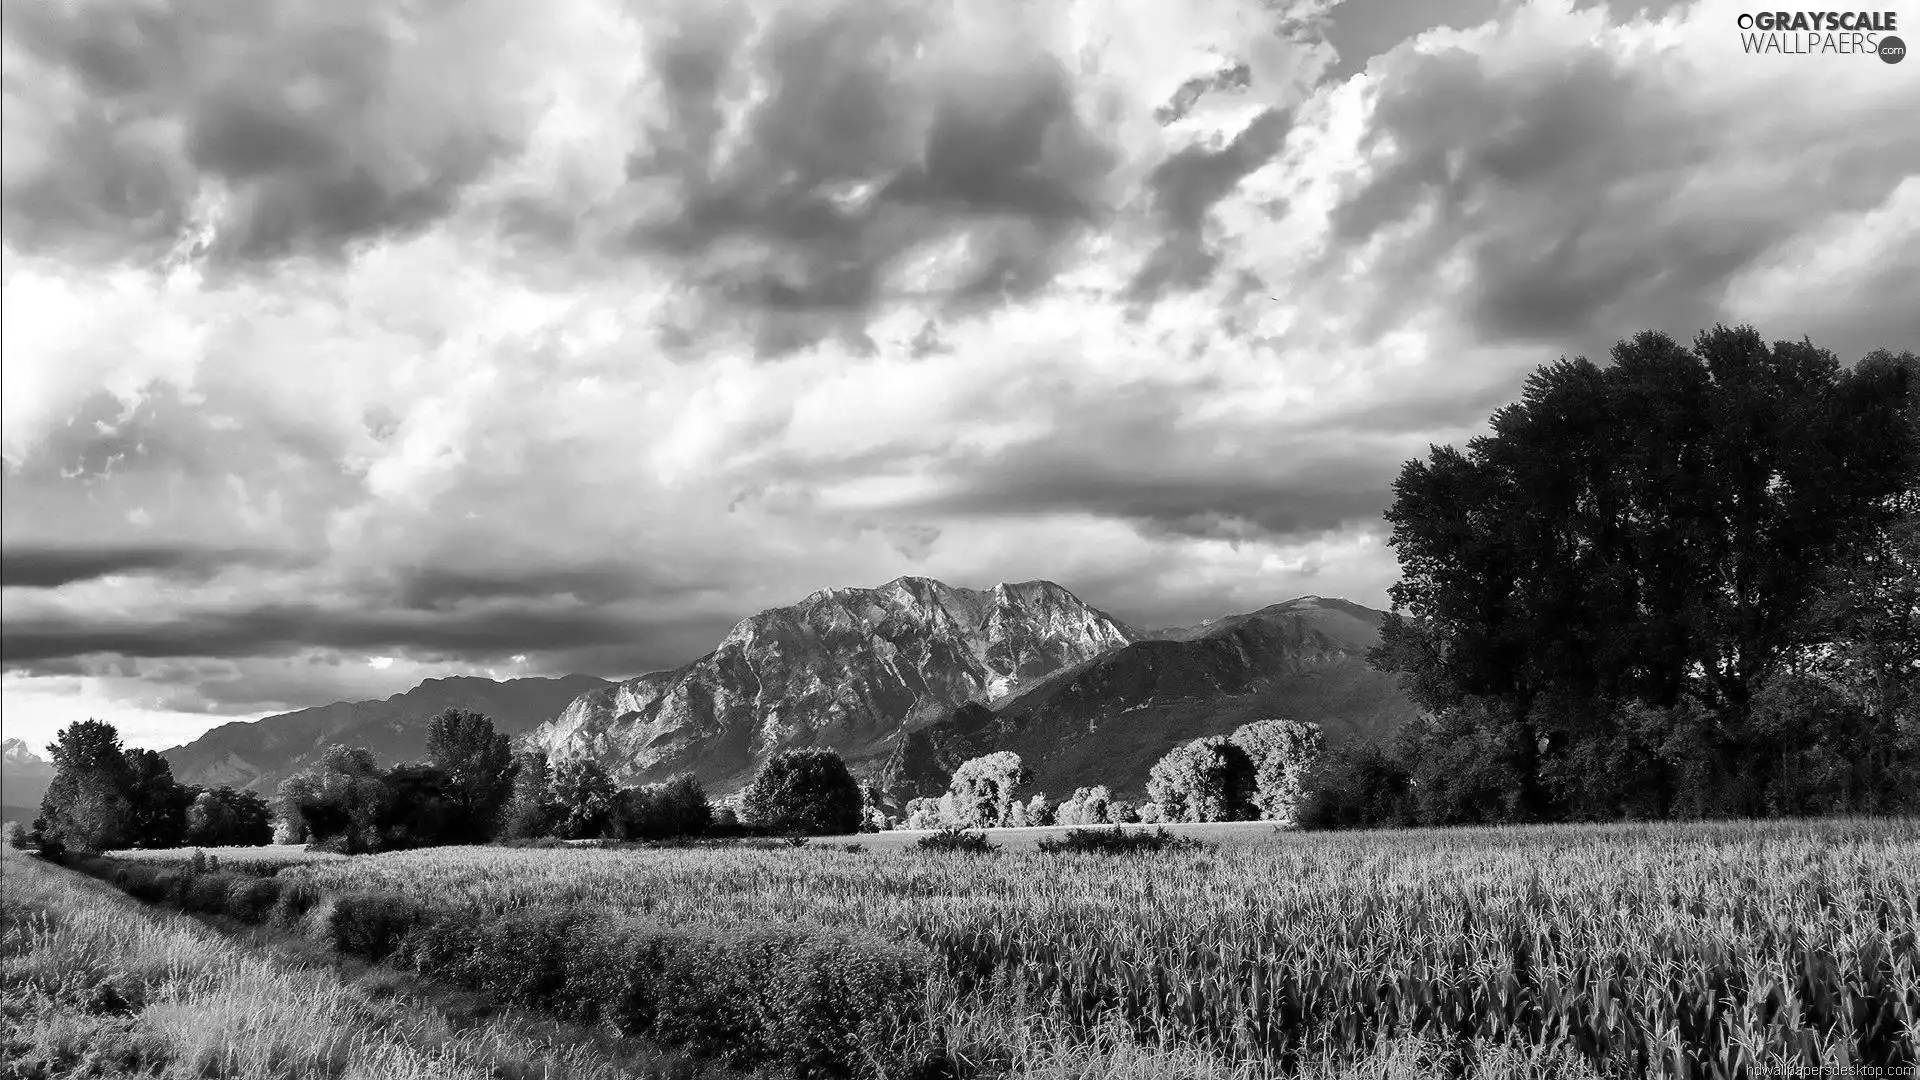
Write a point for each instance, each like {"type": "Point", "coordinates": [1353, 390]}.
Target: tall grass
{"type": "Point", "coordinates": [1726, 949]}
{"type": "Point", "coordinates": [92, 984]}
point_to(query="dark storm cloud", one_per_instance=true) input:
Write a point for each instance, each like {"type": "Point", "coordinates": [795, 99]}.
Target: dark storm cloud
{"type": "Point", "coordinates": [442, 587]}
{"type": "Point", "coordinates": [1574, 191]}
{"type": "Point", "coordinates": [1187, 185]}
{"type": "Point", "coordinates": [304, 111]}
{"type": "Point", "coordinates": [271, 629]}
{"type": "Point", "coordinates": [49, 566]}
{"type": "Point", "coordinates": [855, 158]}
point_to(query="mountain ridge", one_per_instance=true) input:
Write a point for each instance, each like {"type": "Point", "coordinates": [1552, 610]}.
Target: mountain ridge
{"type": "Point", "coordinates": [258, 754]}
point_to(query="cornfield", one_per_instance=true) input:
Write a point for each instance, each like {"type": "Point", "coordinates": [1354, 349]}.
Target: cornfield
{"type": "Point", "coordinates": [1703, 950]}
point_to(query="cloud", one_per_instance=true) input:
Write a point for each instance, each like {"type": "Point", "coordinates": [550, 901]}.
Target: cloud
{"type": "Point", "coordinates": [283, 128]}
{"type": "Point", "coordinates": [1580, 177]}
{"type": "Point", "coordinates": [451, 333]}
{"type": "Point", "coordinates": [49, 566]}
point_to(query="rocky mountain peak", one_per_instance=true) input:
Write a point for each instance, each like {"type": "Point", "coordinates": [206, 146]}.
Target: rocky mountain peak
{"type": "Point", "coordinates": [844, 668]}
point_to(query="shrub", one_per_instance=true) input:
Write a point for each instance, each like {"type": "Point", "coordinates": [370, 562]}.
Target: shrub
{"type": "Point", "coordinates": [252, 899]}
{"type": "Point", "coordinates": [372, 925]}
{"type": "Point", "coordinates": [1122, 842]}
{"type": "Point", "coordinates": [955, 838]}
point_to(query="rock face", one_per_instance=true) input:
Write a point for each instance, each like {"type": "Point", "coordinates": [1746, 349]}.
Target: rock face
{"type": "Point", "coordinates": [257, 755]}
{"type": "Point", "coordinates": [24, 776]}
{"type": "Point", "coordinates": [845, 669]}
{"type": "Point", "coordinates": [1106, 721]}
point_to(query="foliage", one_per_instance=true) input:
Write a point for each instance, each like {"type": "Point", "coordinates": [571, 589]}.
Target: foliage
{"type": "Point", "coordinates": [157, 805]}
{"type": "Point", "coordinates": [338, 802]}
{"type": "Point", "coordinates": [676, 808]}
{"type": "Point", "coordinates": [1282, 752]}
{"type": "Point", "coordinates": [1209, 779]}
{"type": "Point", "coordinates": [1651, 543]}
{"type": "Point", "coordinates": [17, 837]}
{"type": "Point", "coordinates": [1122, 842]}
{"type": "Point", "coordinates": [982, 793]}
{"type": "Point", "coordinates": [583, 800]}
{"type": "Point", "coordinates": [1087, 806]}
{"type": "Point", "coordinates": [956, 838]}
{"type": "Point", "coordinates": [224, 817]}
{"type": "Point", "coordinates": [531, 810]}
{"type": "Point", "coordinates": [88, 806]}
{"type": "Point", "coordinates": [804, 791]}
{"type": "Point", "coordinates": [422, 809]}
{"type": "Point", "coordinates": [479, 766]}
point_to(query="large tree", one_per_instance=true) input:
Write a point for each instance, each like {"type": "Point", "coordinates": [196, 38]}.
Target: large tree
{"type": "Point", "coordinates": [985, 790]}
{"type": "Point", "coordinates": [1210, 779]}
{"type": "Point", "coordinates": [338, 802]}
{"type": "Point", "coordinates": [804, 791]}
{"type": "Point", "coordinates": [1650, 532]}
{"type": "Point", "coordinates": [479, 767]}
{"type": "Point", "coordinates": [157, 804]}
{"type": "Point", "coordinates": [88, 805]}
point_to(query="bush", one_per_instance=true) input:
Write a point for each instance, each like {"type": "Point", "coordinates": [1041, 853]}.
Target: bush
{"type": "Point", "coordinates": [372, 925]}
{"type": "Point", "coordinates": [955, 838]}
{"type": "Point", "coordinates": [1122, 842]}
{"type": "Point", "coordinates": [252, 899]}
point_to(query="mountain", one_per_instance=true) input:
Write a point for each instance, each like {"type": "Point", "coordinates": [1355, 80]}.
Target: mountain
{"type": "Point", "coordinates": [24, 776]}
{"type": "Point", "coordinates": [844, 669]}
{"type": "Point", "coordinates": [1108, 719]}
{"type": "Point", "coordinates": [259, 754]}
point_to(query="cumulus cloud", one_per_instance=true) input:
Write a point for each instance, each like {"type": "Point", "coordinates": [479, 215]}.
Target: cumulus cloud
{"type": "Point", "coordinates": [501, 337]}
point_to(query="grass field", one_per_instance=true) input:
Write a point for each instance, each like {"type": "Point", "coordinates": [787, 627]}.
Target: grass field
{"type": "Point", "coordinates": [1730, 949]}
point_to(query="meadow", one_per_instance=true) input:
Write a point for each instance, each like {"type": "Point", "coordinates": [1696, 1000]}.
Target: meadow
{"type": "Point", "coordinates": [1713, 949]}
{"type": "Point", "coordinates": [1733, 949]}
{"type": "Point", "coordinates": [94, 984]}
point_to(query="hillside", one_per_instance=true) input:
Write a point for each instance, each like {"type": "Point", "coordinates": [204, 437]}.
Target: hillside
{"type": "Point", "coordinates": [1106, 721]}
{"type": "Point", "coordinates": [845, 669]}
{"type": "Point", "coordinates": [24, 776]}
{"type": "Point", "coordinates": [259, 754]}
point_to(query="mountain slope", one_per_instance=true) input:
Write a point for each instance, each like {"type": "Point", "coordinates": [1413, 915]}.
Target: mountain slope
{"type": "Point", "coordinates": [24, 776]}
{"type": "Point", "coordinates": [259, 754]}
{"type": "Point", "coordinates": [843, 669]}
{"type": "Point", "coordinates": [1106, 721]}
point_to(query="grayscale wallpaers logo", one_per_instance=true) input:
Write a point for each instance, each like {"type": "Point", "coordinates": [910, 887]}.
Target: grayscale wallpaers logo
{"type": "Point", "coordinates": [1822, 33]}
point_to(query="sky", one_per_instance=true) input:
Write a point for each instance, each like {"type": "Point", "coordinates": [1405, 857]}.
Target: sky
{"type": "Point", "coordinates": [347, 345]}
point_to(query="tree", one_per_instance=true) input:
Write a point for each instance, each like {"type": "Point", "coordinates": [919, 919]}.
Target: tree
{"type": "Point", "coordinates": [423, 808]}
{"type": "Point", "coordinates": [808, 791]}
{"type": "Point", "coordinates": [984, 790]}
{"type": "Point", "coordinates": [1282, 751]}
{"type": "Point", "coordinates": [583, 799]}
{"type": "Point", "coordinates": [157, 806]}
{"type": "Point", "coordinates": [479, 766]}
{"type": "Point", "coordinates": [1649, 533]}
{"type": "Point", "coordinates": [1207, 779]}
{"type": "Point", "coordinates": [223, 817]}
{"type": "Point", "coordinates": [531, 810]}
{"type": "Point", "coordinates": [676, 808]}
{"type": "Point", "coordinates": [1088, 806]}
{"type": "Point", "coordinates": [88, 805]}
{"type": "Point", "coordinates": [338, 802]}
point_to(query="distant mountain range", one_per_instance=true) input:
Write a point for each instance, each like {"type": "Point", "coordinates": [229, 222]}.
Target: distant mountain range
{"type": "Point", "coordinates": [905, 680]}
{"type": "Point", "coordinates": [1108, 719]}
{"type": "Point", "coordinates": [259, 754]}
{"type": "Point", "coordinates": [846, 669]}
{"type": "Point", "coordinates": [909, 679]}
{"type": "Point", "coordinates": [24, 776]}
